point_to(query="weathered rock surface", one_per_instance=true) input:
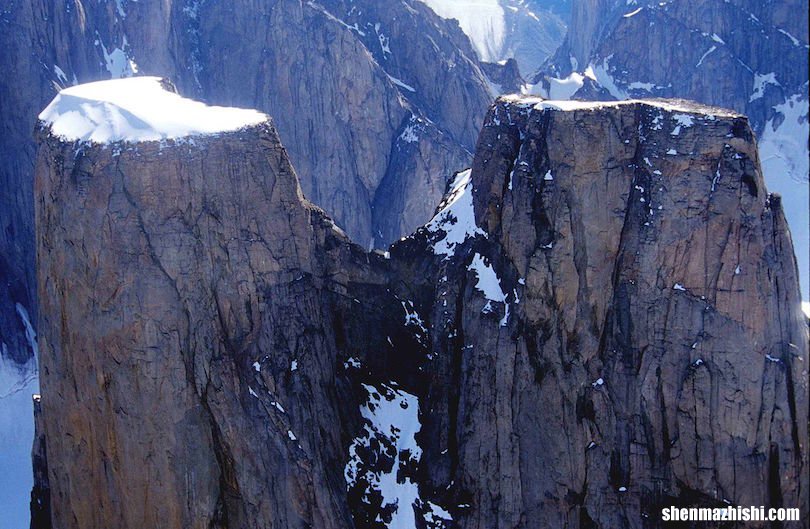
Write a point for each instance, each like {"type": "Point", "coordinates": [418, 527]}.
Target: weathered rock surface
{"type": "Point", "coordinates": [604, 320]}
{"type": "Point", "coordinates": [374, 119]}
{"type": "Point", "coordinates": [179, 284]}
{"type": "Point", "coordinates": [747, 55]}
{"type": "Point", "coordinates": [504, 76]}
{"type": "Point", "coordinates": [640, 342]}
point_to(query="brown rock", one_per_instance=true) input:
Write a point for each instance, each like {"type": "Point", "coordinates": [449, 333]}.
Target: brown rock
{"type": "Point", "coordinates": [650, 350]}
{"type": "Point", "coordinates": [620, 333]}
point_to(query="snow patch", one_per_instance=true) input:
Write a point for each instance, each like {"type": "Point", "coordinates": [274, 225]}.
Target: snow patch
{"type": "Point", "coordinates": [411, 132]}
{"type": "Point", "coordinates": [682, 120]}
{"type": "Point", "coordinates": [455, 220]}
{"type": "Point", "coordinates": [793, 39]}
{"type": "Point", "coordinates": [488, 282]}
{"type": "Point", "coordinates": [383, 40]}
{"type": "Point", "coordinates": [401, 83]}
{"type": "Point", "coordinates": [60, 75]}
{"type": "Point", "coordinates": [761, 82]}
{"type": "Point", "coordinates": [412, 318]}
{"type": "Point", "coordinates": [565, 88]}
{"type": "Point", "coordinates": [601, 74]}
{"type": "Point", "coordinates": [118, 62]}
{"type": "Point", "coordinates": [119, 5]}
{"type": "Point", "coordinates": [137, 109]}
{"type": "Point", "coordinates": [384, 451]}
{"type": "Point", "coordinates": [702, 57]}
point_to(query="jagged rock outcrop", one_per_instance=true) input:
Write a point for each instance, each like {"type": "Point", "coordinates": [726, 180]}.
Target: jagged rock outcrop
{"type": "Point", "coordinates": [504, 76]}
{"type": "Point", "coordinates": [601, 319]}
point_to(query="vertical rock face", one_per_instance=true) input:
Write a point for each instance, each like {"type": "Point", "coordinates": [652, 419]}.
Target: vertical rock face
{"type": "Point", "coordinates": [625, 334]}
{"type": "Point", "coordinates": [369, 101]}
{"type": "Point", "coordinates": [375, 119]}
{"type": "Point", "coordinates": [602, 319]}
{"type": "Point", "coordinates": [750, 56]}
{"type": "Point", "coordinates": [188, 350]}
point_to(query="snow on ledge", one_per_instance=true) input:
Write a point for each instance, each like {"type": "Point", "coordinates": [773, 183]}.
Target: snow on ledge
{"type": "Point", "coordinates": [137, 109]}
{"type": "Point", "coordinates": [572, 105]}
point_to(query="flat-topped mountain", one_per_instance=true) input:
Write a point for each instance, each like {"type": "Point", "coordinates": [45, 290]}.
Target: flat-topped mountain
{"type": "Point", "coordinates": [602, 318]}
{"type": "Point", "coordinates": [375, 120]}
{"type": "Point", "coordinates": [747, 55]}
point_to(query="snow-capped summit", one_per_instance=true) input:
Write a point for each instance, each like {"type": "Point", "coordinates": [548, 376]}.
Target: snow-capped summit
{"type": "Point", "coordinates": [137, 109]}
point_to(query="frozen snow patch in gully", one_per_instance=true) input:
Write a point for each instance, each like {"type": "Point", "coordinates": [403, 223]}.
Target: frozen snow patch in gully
{"type": "Point", "coordinates": [381, 455]}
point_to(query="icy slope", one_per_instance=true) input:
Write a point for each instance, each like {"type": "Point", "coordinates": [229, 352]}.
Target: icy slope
{"type": "Point", "coordinates": [482, 20]}
{"type": "Point", "coordinates": [503, 29]}
{"type": "Point", "coordinates": [17, 385]}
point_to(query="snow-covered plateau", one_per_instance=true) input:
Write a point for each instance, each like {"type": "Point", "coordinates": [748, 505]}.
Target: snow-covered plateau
{"type": "Point", "coordinates": [137, 109]}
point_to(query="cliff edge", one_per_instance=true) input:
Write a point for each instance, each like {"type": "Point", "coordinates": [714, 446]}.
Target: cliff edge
{"type": "Point", "coordinates": [602, 319]}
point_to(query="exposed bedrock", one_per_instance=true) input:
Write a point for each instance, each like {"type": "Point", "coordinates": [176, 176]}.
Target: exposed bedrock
{"type": "Point", "coordinates": [180, 284]}
{"type": "Point", "coordinates": [603, 318]}
{"type": "Point", "coordinates": [641, 343]}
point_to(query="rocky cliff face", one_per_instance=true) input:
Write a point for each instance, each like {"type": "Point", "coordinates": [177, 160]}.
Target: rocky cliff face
{"type": "Point", "coordinates": [205, 390]}
{"type": "Point", "coordinates": [607, 353]}
{"type": "Point", "coordinates": [750, 56]}
{"type": "Point", "coordinates": [374, 119]}
{"type": "Point", "coordinates": [601, 319]}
